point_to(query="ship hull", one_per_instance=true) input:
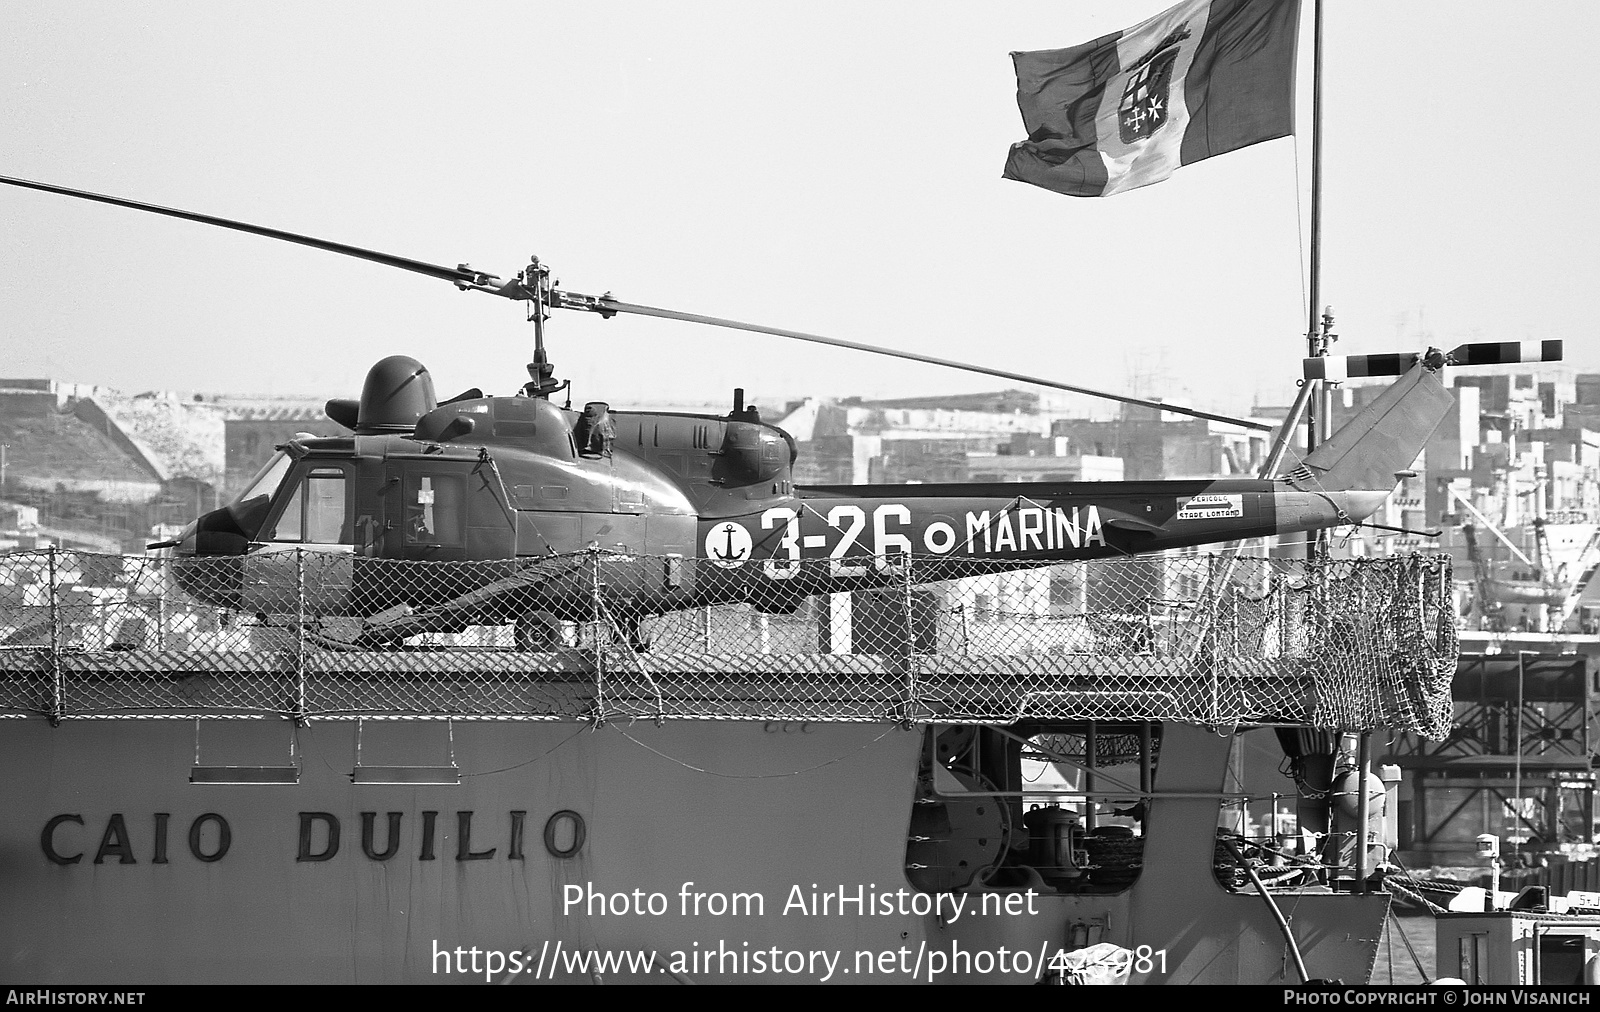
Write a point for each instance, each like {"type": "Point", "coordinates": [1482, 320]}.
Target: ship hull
{"type": "Point", "coordinates": [731, 851]}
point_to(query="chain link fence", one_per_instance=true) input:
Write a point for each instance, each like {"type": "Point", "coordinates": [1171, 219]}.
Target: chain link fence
{"type": "Point", "coordinates": [1213, 640]}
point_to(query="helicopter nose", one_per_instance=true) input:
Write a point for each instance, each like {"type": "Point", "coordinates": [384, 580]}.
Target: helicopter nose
{"type": "Point", "coordinates": [183, 543]}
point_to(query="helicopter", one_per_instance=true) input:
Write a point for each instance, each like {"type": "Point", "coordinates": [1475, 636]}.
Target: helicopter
{"type": "Point", "coordinates": [530, 492]}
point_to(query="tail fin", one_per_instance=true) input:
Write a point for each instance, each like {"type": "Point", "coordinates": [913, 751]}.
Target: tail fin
{"type": "Point", "coordinates": [1384, 437]}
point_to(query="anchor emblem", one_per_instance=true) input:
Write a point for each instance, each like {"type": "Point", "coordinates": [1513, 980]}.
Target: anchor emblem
{"type": "Point", "coordinates": [728, 545]}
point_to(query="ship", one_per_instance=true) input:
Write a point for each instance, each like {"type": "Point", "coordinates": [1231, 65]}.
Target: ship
{"type": "Point", "coordinates": [852, 792]}
{"type": "Point", "coordinates": [1010, 774]}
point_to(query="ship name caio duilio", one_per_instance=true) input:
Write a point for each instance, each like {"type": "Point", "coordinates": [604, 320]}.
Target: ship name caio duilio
{"type": "Point", "coordinates": [70, 839]}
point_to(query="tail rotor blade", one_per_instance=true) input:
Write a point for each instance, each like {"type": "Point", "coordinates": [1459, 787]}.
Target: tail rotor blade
{"type": "Point", "coordinates": [1337, 368]}
{"type": "Point", "coordinates": [1505, 352]}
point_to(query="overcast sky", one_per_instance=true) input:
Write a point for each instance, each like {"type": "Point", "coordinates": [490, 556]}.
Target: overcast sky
{"type": "Point", "coordinates": [830, 167]}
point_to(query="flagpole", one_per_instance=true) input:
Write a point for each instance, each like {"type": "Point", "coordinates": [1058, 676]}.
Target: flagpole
{"type": "Point", "coordinates": [1319, 405]}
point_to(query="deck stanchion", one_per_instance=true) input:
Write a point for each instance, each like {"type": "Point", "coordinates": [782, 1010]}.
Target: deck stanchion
{"type": "Point", "coordinates": [1363, 763]}
{"type": "Point", "coordinates": [161, 603]}
{"type": "Point", "coordinates": [908, 603]}
{"type": "Point", "coordinates": [300, 636]}
{"type": "Point", "coordinates": [58, 689]}
{"type": "Point", "coordinates": [594, 637]}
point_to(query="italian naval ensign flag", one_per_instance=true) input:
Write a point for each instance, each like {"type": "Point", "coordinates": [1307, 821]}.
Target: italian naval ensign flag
{"type": "Point", "coordinates": [1125, 110]}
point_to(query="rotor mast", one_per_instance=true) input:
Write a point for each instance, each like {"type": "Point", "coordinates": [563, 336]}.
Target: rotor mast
{"type": "Point", "coordinates": [535, 282]}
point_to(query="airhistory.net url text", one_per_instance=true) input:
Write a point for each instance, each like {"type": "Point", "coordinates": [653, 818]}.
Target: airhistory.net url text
{"type": "Point", "coordinates": [554, 961]}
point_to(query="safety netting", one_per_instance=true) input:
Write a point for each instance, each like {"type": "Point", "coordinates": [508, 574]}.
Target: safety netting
{"type": "Point", "coordinates": [1217, 640]}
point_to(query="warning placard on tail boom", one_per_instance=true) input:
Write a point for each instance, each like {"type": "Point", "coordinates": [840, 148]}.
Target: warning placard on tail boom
{"type": "Point", "coordinates": [1210, 507]}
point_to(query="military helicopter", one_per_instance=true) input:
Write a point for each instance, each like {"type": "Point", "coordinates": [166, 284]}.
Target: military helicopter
{"type": "Point", "coordinates": [531, 492]}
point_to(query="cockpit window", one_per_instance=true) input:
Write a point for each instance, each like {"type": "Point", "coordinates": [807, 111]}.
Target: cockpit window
{"type": "Point", "coordinates": [315, 512]}
{"type": "Point", "coordinates": [289, 521]}
{"type": "Point", "coordinates": [266, 480]}
{"type": "Point", "coordinates": [252, 505]}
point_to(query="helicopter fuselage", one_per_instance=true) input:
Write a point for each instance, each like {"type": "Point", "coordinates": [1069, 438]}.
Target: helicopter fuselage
{"type": "Point", "coordinates": [510, 482]}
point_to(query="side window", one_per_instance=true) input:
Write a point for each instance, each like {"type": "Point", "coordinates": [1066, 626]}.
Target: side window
{"type": "Point", "coordinates": [325, 507]}
{"type": "Point", "coordinates": [316, 512]}
{"type": "Point", "coordinates": [434, 505]}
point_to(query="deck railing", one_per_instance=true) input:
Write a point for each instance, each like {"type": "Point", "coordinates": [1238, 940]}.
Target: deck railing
{"type": "Point", "coordinates": [1210, 639]}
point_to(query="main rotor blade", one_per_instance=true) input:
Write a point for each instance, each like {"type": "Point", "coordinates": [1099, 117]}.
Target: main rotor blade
{"type": "Point", "coordinates": [465, 277]}
{"type": "Point", "coordinates": [458, 275]}
{"type": "Point", "coordinates": [607, 305]}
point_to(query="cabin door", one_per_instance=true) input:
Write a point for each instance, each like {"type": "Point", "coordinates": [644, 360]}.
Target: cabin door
{"type": "Point", "coordinates": [313, 512]}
